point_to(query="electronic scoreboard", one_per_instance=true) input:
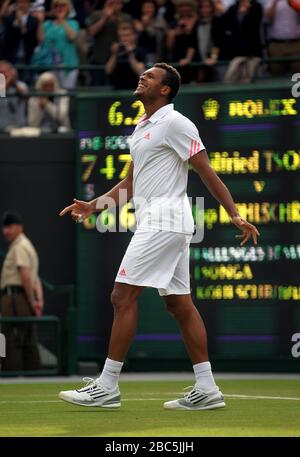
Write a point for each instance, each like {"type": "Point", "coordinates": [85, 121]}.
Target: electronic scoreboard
{"type": "Point", "coordinates": [248, 296]}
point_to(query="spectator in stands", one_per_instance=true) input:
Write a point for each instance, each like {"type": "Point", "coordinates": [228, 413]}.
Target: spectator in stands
{"type": "Point", "coordinates": [126, 62]}
{"type": "Point", "coordinates": [38, 10]}
{"type": "Point", "coordinates": [93, 5]}
{"type": "Point", "coordinates": [21, 296]}
{"type": "Point", "coordinates": [103, 27]}
{"type": "Point", "coordinates": [12, 107]}
{"type": "Point", "coordinates": [206, 18]}
{"type": "Point", "coordinates": [182, 40]}
{"type": "Point", "coordinates": [4, 4]}
{"type": "Point", "coordinates": [228, 3]}
{"type": "Point", "coordinates": [216, 31]}
{"type": "Point", "coordinates": [82, 40]}
{"type": "Point", "coordinates": [49, 112]}
{"type": "Point", "coordinates": [220, 7]}
{"type": "Point", "coordinates": [238, 37]}
{"type": "Point", "coordinates": [80, 12]}
{"type": "Point", "coordinates": [22, 33]}
{"type": "Point", "coordinates": [283, 34]}
{"type": "Point", "coordinates": [152, 32]}
{"type": "Point", "coordinates": [166, 10]}
{"type": "Point", "coordinates": [133, 8]}
{"type": "Point", "coordinates": [59, 37]}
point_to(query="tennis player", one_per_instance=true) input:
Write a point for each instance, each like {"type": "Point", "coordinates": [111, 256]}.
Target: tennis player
{"type": "Point", "coordinates": [158, 254]}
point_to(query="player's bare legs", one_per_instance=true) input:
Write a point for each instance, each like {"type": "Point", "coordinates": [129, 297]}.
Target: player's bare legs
{"type": "Point", "coordinates": [124, 299]}
{"type": "Point", "coordinates": [104, 391]}
{"type": "Point", "coordinates": [205, 394]}
{"type": "Point", "coordinates": [191, 325]}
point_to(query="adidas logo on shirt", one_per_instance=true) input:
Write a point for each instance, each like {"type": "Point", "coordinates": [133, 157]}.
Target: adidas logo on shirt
{"type": "Point", "coordinates": [147, 136]}
{"type": "Point", "coordinates": [122, 272]}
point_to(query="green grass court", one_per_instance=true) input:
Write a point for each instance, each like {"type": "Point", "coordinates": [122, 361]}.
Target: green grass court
{"type": "Point", "coordinates": [254, 408]}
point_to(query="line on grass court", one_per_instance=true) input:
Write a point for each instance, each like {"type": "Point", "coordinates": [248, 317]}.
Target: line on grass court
{"type": "Point", "coordinates": [233, 396]}
{"type": "Point", "coordinates": [260, 397]}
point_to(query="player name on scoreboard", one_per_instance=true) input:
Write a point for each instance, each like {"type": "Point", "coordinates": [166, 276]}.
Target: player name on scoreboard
{"type": "Point", "coordinates": [248, 292]}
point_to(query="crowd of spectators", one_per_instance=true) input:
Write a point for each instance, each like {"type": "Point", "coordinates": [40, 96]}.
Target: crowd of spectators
{"type": "Point", "coordinates": [208, 40]}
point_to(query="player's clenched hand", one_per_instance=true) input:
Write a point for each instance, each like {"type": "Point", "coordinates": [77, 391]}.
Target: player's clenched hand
{"type": "Point", "coordinates": [79, 210]}
{"type": "Point", "coordinates": [248, 230]}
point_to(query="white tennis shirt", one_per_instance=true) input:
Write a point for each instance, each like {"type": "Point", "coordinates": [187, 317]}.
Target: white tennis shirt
{"type": "Point", "coordinates": [160, 147]}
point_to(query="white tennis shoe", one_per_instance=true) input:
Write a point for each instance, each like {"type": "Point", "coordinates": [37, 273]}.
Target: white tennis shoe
{"type": "Point", "coordinates": [196, 399]}
{"type": "Point", "coordinates": [93, 394]}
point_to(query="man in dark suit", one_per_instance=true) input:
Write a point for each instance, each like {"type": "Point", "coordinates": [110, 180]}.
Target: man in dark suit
{"type": "Point", "coordinates": [21, 33]}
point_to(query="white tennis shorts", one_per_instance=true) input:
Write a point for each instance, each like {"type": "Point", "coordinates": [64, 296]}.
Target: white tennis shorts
{"type": "Point", "coordinates": [157, 259]}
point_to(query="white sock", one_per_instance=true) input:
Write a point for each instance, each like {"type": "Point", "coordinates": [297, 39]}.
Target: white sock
{"type": "Point", "coordinates": [110, 374]}
{"type": "Point", "coordinates": [204, 377]}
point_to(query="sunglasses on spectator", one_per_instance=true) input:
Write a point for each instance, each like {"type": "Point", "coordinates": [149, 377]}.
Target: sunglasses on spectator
{"type": "Point", "coordinates": [59, 5]}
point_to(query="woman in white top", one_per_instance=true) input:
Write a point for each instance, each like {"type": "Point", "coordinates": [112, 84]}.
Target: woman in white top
{"type": "Point", "coordinates": [49, 112]}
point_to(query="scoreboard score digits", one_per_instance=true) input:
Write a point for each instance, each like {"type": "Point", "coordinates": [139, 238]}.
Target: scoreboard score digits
{"type": "Point", "coordinates": [117, 118]}
{"type": "Point", "coordinates": [249, 296]}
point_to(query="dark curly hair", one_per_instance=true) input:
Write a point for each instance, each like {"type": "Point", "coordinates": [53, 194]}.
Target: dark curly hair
{"type": "Point", "coordinates": [172, 78]}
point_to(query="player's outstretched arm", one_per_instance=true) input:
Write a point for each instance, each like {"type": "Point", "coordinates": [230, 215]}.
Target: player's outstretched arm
{"type": "Point", "coordinates": [81, 210]}
{"type": "Point", "coordinates": [201, 164]}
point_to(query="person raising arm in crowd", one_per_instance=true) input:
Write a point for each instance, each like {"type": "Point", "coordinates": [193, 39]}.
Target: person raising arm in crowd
{"type": "Point", "coordinates": [102, 28]}
{"type": "Point", "coordinates": [126, 62]}
{"type": "Point", "coordinates": [59, 36]}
